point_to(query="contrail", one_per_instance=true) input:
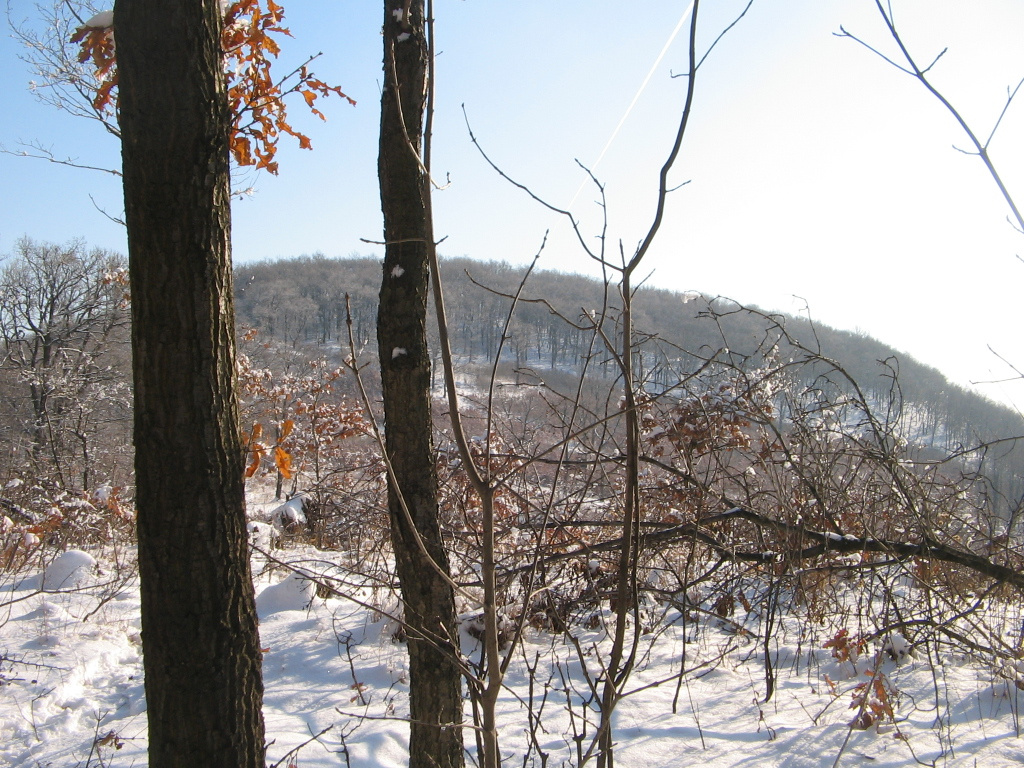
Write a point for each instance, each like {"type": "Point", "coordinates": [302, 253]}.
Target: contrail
{"type": "Point", "coordinates": [636, 98]}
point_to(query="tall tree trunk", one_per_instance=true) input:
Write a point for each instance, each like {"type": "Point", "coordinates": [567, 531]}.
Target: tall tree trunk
{"type": "Point", "coordinates": [199, 630]}
{"type": "Point", "coordinates": [435, 690]}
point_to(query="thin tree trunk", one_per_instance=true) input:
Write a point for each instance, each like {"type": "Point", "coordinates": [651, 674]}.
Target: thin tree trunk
{"type": "Point", "coordinates": [199, 630]}
{"type": "Point", "coordinates": [621, 657]}
{"type": "Point", "coordinates": [435, 690]}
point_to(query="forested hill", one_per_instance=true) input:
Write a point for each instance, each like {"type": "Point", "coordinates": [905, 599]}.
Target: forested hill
{"type": "Point", "coordinates": [303, 301]}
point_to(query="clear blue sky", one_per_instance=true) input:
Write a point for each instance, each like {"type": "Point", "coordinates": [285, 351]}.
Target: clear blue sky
{"type": "Point", "coordinates": [816, 171]}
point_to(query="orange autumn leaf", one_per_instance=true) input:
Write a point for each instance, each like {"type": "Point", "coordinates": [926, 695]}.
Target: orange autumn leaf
{"type": "Point", "coordinates": [254, 464]}
{"type": "Point", "coordinates": [256, 100]}
{"type": "Point", "coordinates": [255, 448]}
{"type": "Point", "coordinates": [283, 461]}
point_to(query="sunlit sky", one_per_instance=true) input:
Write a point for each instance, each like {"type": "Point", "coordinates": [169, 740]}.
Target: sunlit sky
{"type": "Point", "coordinates": [820, 178]}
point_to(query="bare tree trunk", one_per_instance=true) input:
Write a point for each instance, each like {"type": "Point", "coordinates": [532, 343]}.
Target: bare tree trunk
{"type": "Point", "coordinates": [200, 636]}
{"type": "Point", "coordinates": [622, 656]}
{"type": "Point", "coordinates": [435, 690]}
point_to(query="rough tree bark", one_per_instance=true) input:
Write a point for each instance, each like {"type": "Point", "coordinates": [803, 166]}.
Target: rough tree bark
{"type": "Point", "coordinates": [435, 690]}
{"type": "Point", "coordinates": [199, 630]}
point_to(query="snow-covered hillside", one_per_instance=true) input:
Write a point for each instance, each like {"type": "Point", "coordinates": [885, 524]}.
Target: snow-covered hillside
{"type": "Point", "coordinates": [71, 691]}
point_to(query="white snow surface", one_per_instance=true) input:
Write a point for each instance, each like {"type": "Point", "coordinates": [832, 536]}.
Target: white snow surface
{"type": "Point", "coordinates": [101, 20]}
{"type": "Point", "coordinates": [289, 514]}
{"type": "Point", "coordinates": [262, 535]}
{"type": "Point", "coordinates": [68, 570]}
{"type": "Point", "coordinates": [103, 493]}
{"type": "Point", "coordinates": [295, 592]}
{"type": "Point", "coordinates": [71, 685]}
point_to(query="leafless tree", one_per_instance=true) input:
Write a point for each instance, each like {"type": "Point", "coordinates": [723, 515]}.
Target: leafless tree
{"type": "Point", "coordinates": [63, 323]}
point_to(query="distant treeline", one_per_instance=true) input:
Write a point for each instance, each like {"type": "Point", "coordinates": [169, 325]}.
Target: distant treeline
{"type": "Point", "coordinates": [307, 300]}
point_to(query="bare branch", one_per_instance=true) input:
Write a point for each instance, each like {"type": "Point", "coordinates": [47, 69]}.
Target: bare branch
{"type": "Point", "coordinates": [39, 152]}
{"type": "Point", "coordinates": [920, 74]}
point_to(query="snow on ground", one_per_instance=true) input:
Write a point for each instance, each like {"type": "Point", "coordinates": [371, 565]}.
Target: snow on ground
{"type": "Point", "coordinates": [337, 685]}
